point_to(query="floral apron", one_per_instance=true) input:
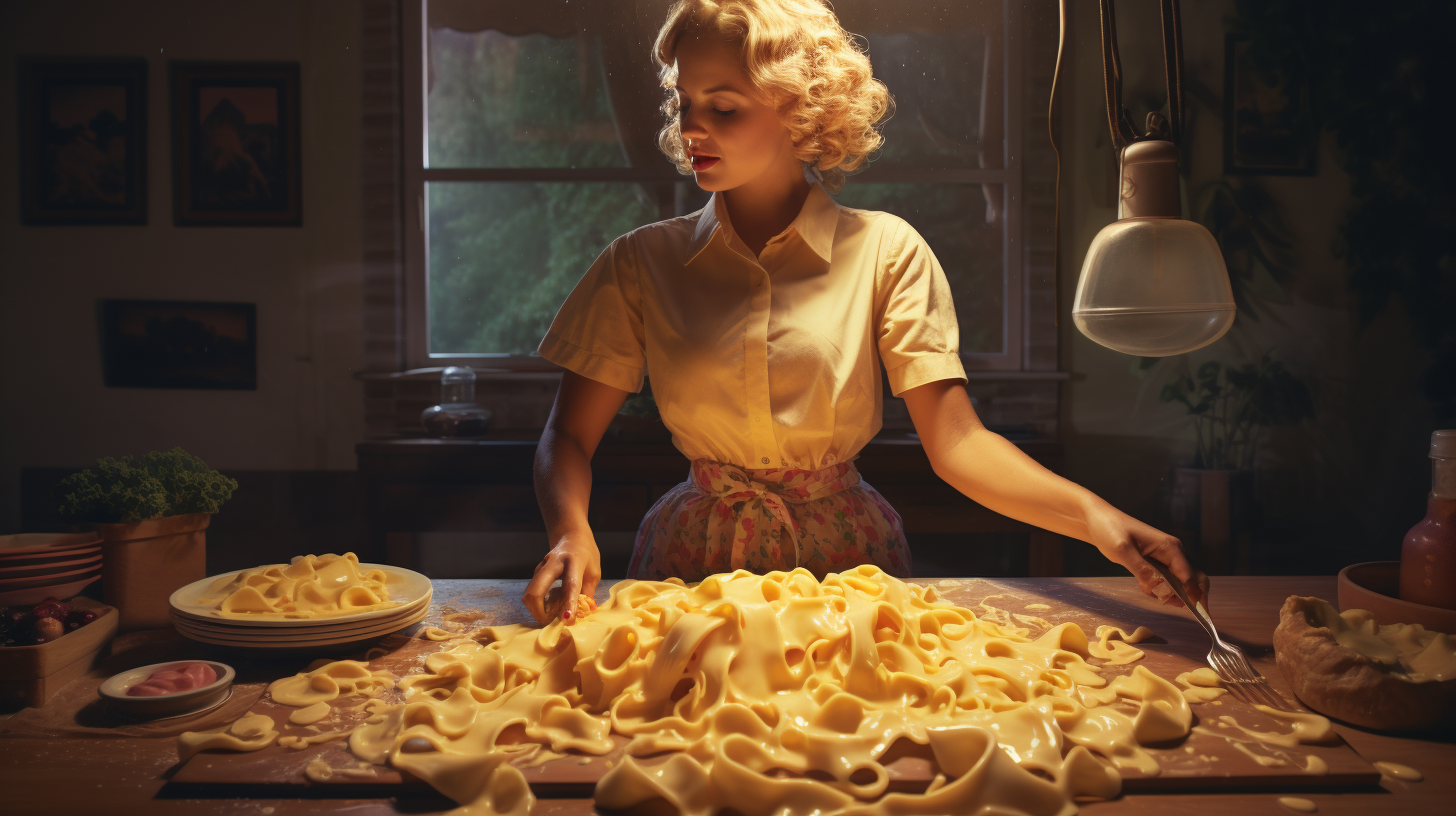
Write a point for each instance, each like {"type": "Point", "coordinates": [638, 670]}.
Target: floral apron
{"type": "Point", "coordinates": [726, 517]}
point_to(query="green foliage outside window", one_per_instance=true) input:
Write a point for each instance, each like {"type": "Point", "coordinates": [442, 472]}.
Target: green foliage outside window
{"type": "Point", "coordinates": [503, 256]}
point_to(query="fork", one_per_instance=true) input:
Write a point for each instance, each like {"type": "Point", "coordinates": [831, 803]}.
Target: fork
{"type": "Point", "coordinates": [1227, 659]}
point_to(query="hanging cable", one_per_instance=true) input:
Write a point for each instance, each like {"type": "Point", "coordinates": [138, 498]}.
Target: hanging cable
{"type": "Point", "coordinates": [1119, 121]}
{"type": "Point", "coordinates": [1173, 67]}
{"type": "Point", "coordinates": [1054, 122]}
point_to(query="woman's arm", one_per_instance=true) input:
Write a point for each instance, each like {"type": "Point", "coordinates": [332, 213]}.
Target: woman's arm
{"type": "Point", "coordinates": [562, 472]}
{"type": "Point", "coordinates": [995, 473]}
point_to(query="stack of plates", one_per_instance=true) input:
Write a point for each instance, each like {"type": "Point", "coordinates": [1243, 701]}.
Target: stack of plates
{"type": "Point", "coordinates": [411, 589]}
{"type": "Point", "coordinates": [36, 566]}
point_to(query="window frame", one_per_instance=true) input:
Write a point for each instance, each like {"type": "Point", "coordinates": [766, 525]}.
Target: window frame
{"type": "Point", "coordinates": [414, 308]}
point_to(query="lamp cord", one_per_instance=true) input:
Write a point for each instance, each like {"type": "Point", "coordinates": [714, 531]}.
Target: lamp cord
{"type": "Point", "coordinates": [1173, 67]}
{"type": "Point", "coordinates": [1119, 121]}
{"type": "Point", "coordinates": [1054, 121]}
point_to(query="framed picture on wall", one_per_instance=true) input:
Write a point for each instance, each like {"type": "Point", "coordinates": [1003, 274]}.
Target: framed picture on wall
{"type": "Point", "coordinates": [179, 344]}
{"type": "Point", "coordinates": [1267, 129]}
{"type": "Point", "coordinates": [83, 140]}
{"type": "Point", "coordinates": [236, 144]}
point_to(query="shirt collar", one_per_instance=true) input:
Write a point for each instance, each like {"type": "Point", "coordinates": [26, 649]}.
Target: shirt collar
{"type": "Point", "coordinates": [815, 223]}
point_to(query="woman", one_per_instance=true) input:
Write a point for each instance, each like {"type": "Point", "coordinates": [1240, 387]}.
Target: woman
{"type": "Point", "coordinates": [764, 319]}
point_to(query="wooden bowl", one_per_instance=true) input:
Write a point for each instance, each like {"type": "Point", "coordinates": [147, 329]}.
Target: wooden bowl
{"type": "Point", "coordinates": [1375, 586]}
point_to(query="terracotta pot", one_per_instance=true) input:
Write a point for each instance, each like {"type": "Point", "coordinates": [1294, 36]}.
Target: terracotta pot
{"type": "Point", "coordinates": [143, 564]}
{"type": "Point", "coordinates": [1219, 506]}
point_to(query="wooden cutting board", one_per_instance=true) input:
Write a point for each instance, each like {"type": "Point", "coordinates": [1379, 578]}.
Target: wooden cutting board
{"type": "Point", "coordinates": [1202, 762]}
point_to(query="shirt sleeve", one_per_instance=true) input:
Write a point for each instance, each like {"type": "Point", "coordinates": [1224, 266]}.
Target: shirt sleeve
{"type": "Point", "coordinates": [918, 334]}
{"type": "Point", "coordinates": [598, 330]}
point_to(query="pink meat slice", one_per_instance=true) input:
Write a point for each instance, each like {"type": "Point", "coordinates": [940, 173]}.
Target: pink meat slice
{"type": "Point", "coordinates": [172, 680]}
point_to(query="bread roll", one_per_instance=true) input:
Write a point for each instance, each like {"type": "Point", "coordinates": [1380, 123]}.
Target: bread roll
{"type": "Point", "coordinates": [1345, 666]}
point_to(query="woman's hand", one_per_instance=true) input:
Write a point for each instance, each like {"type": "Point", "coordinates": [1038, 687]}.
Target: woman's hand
{"type": "Point", "coordinates": [1126, 541]}
{"type": "Point", "coordinates": [577, 562]}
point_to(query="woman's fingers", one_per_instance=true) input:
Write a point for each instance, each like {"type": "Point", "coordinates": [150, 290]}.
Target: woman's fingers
{"type": "Point", "coordinates": [1150, 581]}
{"type": "Point", "coordinates": [1203, 586]}
{"type": "Point", "coordinates": [1126, 553]}
{"type": "Point", "coordinates": [1195, 583]}
{"type": "Point", "coordinates": [535, 596]}
{"type": "Point", "coordinates": [589, 581]}
{"type": "Point", "coordinates": [1169, 551]}
{"type": "Point", "coordinates": [570, 586]}
{"type": "Point", "coordinates": [1125, 540]}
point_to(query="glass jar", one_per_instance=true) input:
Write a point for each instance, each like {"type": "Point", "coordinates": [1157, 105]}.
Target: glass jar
{"type": "Point", "coordinates": [457, 414]}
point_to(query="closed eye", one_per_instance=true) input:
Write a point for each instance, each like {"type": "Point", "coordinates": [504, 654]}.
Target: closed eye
{"type": "Point", "coordinates": [683, 109]}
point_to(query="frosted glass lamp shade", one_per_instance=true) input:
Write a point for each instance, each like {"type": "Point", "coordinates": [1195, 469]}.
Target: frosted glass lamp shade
{"type": "Point", "coordinates": [1154, 287]}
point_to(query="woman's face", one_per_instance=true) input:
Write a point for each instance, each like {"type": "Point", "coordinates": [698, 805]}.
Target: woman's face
{"type": "Point", "coordinates": [723, 119]}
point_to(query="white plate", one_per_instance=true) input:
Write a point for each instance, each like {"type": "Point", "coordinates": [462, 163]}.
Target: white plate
{"type": "Point", "coordinates": [53, 568]}
{"type": "Point", "coordinates": [225, 625]}
{"type": "Point", "coordinates": [34, 595]}
{"type": "Point", "coordinates": [405, 586]}
{"type": "Point", "coordinates": [47, 557]}
{"type": "Point", "coordinates": [24, 543]}
{"type": "Point", "coordinates": [67, 574]}
{"type": "Point", "coordinates": [203, 707]}
{"type": "Point", "coordinates": [295, 636]}
{"type": "Point", "coordinates": [287, 641]}
{"type": "Point", "coordinates": [114, 689]}
{"type": "Point", "coordinates": [325, 627]}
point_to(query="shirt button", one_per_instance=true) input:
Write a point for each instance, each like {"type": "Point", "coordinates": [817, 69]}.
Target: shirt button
{"type": "Point", "coordinates": [764, 460]}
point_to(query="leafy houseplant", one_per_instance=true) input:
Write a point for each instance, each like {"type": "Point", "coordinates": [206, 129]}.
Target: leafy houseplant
{"type": "Point", "coordinates": [638, 419]}
{"type": "Point", "coordinates": [1383, 109]}
{"type": "Point", "coordinates": [152, 517]}
{"type": "Point", "coordinates": [1230, 407]}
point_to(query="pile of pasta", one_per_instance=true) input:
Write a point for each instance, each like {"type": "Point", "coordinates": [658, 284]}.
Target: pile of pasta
{"type": "Point", "coordinates": [770, 693]}
{"type": "Point", "coordinates": [310, 586]}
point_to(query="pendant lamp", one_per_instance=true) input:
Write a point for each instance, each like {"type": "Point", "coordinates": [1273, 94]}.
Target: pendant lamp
{"type": "Point", "coordinates": [1153, 284]}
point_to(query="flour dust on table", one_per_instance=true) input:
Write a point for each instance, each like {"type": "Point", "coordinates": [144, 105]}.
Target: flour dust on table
{"type": "Point", "coordinates": [773, 693]}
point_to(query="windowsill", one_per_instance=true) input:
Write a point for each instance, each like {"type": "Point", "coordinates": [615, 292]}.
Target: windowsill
{"type": "Point", "coordinates": [498, 374]}
{"type": "Point", "coordinates": [1020, 405]}
{"type": "Point", "coordinates": [886, 436]}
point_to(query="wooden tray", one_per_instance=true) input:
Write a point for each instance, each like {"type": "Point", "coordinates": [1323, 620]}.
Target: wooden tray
{"type": "Point", "coordinates": [1178, 647]}
{"type": "Point", "coordinates": [30, 675]}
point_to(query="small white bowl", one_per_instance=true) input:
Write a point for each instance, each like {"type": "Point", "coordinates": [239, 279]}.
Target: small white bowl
{"type": "Point", "coordinates": [114, 691]}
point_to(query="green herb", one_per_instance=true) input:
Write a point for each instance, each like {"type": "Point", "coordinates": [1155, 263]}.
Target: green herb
{"type": "Point", "coordinates": [166, 483]}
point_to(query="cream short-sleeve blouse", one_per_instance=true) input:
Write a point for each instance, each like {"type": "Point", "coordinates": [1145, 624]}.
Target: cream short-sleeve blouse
{"type": "Point", "coordinates": [771, 361]}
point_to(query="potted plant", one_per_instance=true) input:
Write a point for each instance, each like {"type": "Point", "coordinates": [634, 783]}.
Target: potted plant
{"type": "Point", "coordinates": [1231, 408]}
{"type": "Point", "coordinates": [152, 515]}
{"type": "Point", "coordinates": [638, 419]}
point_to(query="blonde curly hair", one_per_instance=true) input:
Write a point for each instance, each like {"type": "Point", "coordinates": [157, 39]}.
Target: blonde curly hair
{"type": "Point", "coordinates": [800, 60]}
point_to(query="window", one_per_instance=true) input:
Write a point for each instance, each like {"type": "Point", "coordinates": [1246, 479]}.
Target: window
{"type": "Point", "coordinates": [530, 143]}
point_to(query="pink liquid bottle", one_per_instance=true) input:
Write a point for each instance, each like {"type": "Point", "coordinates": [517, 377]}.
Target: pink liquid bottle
{"type": "Point", "coordinates": [1428, 555]}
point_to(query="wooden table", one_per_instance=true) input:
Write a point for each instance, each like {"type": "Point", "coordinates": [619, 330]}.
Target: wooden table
{"type": "Point", "coordinates": [41, 776]}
